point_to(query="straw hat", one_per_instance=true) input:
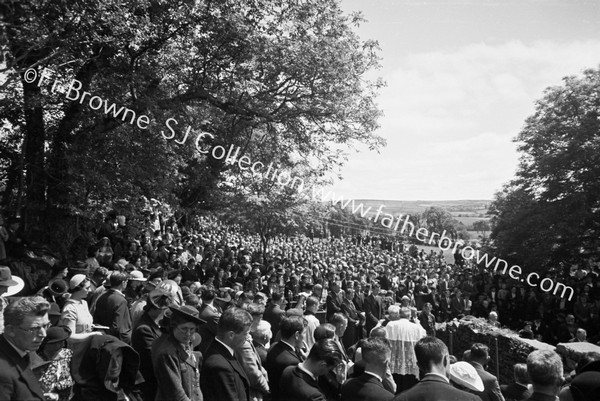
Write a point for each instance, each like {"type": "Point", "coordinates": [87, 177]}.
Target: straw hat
{"type": "Point", "coordinates": [464, 373]}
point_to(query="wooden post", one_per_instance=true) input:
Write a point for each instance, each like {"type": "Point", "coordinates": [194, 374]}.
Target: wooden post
{"type": "Point", "coordinates": [451, 343]}
{"type": "Point", "coordinates": [497, 361]}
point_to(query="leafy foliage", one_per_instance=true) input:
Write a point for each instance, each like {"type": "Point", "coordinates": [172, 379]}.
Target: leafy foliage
{"type": "Point", "coordinates": [437, 220]}
{"type": "Point", "coordinates": [550, 213]}
{"type": "Point", "coordinates": [284, 81]}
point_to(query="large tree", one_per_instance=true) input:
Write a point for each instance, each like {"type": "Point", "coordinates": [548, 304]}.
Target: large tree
{"type": "Point", "coordinates": [550, 212]}
{"type": "Point", "coordinates": [284, 81]}
{"type": "Point", "coordinates": [438, 220]}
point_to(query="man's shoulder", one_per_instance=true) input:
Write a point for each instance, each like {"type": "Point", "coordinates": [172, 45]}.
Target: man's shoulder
{"type": "Point", "coordinates": [363, 381]}
{"type": "Point", "coordinates": [433, 390]}
{"type": "Point", "coordinates": [289, 371]}
{"type": "Point", "coordinates": [277, 348]}
{"type": "Point", "coordinates": [312, 318]}
{"type": "Point", "coordinates": [299, 383]}
{"type": "Point", "coordinates": [112, 296]}
{"type": "Point", "coordinates": [215, 355]}
{"type": "Point", "coordinates": [484, 374]}
{"type": "Point", "coordinates": [7, 354]}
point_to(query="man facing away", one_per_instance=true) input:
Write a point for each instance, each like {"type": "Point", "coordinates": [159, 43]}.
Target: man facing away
{"type": "Point", "coordinates": [376, 353]}
{"type": "Point", "coordinates": [25, 325]}
{"type": "Point", "coordinates": [403, 335]}
{"type": "Point", "coordinates": [434, 360]}
{"type": "Point", "coordinates": [480, 358]}
{"type": "Point", "coordinates": [300, 383]}
{"type": "Point", "coordinates": [519, 390]}
{"type": "Point", "coordinates": [545, 370]}
{"type": "Point", "coordinates": [222, 377]}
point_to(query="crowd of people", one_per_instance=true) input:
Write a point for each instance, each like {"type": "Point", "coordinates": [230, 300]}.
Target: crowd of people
{"type": "Point", "coordinates": [201, 311]}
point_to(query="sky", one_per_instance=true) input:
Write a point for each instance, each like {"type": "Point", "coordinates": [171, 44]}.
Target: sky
{"type": "Point", "coordinates": [462, 76]}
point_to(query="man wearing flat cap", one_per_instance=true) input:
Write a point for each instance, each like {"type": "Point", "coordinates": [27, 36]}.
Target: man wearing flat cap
{"type": "Point", "coordinates": [145, 333]}
{"type": "Point", "coordinates": [176, 366]}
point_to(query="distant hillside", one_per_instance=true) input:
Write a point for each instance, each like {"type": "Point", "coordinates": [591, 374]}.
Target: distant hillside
{"type": "Point", "coordinates": [458, 208]}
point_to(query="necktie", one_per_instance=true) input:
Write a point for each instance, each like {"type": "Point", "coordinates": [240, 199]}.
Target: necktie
{"type": "Point", "coordinates": [188, 350]}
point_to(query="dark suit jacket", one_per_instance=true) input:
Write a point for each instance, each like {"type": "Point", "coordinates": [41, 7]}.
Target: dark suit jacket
{"type": "Point", "coordinates": [359, 302]}
{"type": "Point", "coordinates": [142, 339]}
{"type": "Point", "coordinates": [516, 392]}
{"type": "Point", "coordinates": [222, 377]}
{"type": "Point", "coordinates": [541, 397]}
{"type": "Point", "coordinates": [112, 311]}
{"type": "Point", "coordinates": [491, 390]}
{"type": "Point", "coordinates": [175, 370]}
{"type": "Point", "coordinates": [434, 388]}
{"type": "Point", "coordinates": [333, 303]}
{"type": "Point", "coordinates": [457, 305]}
{"type": "Point", "coordinates": [17, 381]}
{"type": "Point", "coordinates": [351, 334]}
{"type": "Point", "coordinates": [296, 385]}
{"type": "Point", "coordinates": [279, 357]}
{"type": "Point", "coordinates": [373, 310]}
{"type": "Point", "coordinates": [445, 308]}
{"type": "Point", "coordinates": [366, 387]}
{"type": "Point", "coordinates": [207, 331]}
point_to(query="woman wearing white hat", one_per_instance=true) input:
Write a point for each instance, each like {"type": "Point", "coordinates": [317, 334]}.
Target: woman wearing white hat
{"type": "Point", "coordinates": [464, 377]}
{"type": "Point", "coordinates": [76, 314]}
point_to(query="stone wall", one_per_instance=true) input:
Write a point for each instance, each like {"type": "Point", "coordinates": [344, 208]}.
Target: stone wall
{"type": "Point", "coordinates": [506, 347]}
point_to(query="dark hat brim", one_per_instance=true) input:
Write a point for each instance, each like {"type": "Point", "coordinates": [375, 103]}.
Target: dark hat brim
{"type": "Point", "coordinates": [186, 316]}
{"type": "Point", "coordinates": [63, 337]}
{"type": "Point", "coordinates": [56, 293]}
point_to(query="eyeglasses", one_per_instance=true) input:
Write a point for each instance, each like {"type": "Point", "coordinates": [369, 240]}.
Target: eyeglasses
{"type": "Point", "coordinates": [36, 330]}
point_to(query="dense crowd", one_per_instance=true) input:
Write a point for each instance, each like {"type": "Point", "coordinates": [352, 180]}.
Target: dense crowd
{"type": "Point", "coordinates": [172, 311]}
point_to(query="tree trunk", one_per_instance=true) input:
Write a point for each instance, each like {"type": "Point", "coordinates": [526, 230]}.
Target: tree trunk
{"type": "Point", "coordinates": [34, 143]}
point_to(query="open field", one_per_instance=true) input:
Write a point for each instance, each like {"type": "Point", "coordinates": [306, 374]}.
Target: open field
{"type": "Point", "coordinates": [465, 211]}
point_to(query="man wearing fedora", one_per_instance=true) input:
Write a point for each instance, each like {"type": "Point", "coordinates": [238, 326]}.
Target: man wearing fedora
{"type": "Point", "coordinates": [26, 322]}
{"type": "Point", "coordinates": [6, 281]}
{"type": "Point", "coordinates": [222, 377]}
{"type": "Point", "coordinates": [176, 365]}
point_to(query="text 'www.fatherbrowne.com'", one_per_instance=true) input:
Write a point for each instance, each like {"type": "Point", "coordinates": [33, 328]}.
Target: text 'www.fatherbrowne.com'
{"type": "Point", "coordinates": [74, 91]}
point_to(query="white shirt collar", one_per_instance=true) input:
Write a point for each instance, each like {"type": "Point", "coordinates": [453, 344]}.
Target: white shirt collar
{"type": "Point", "coordinates": [374, 374]}
{"type": "Point", "coordinates": [289, 345]}
{"type": "Point", "coordinates": [302, 368]}
{"type": "Point", "coordinates": [438, 375]}
{"type": "Point", "coordinates": [226, 346]}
